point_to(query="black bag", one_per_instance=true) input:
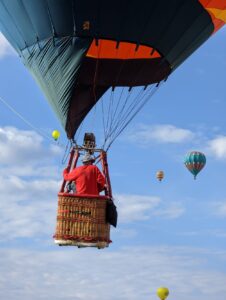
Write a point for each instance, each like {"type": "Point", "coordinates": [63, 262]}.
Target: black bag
{"type": "Point", "coordinates": [111, 213]}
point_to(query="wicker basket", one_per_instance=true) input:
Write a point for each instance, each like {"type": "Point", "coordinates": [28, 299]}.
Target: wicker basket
{"type": "Point", "coordinates": [81, 221]}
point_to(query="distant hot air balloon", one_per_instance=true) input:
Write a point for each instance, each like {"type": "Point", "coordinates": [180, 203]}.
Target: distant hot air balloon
{"type": "Point", "coordinates": [195, 161]}
{"type": "Point", "coordinates": [55, 134]}
{"type": "Point", "coordinates": [160, 175]}
{"type": "Point", "coordinates": [162, 293]}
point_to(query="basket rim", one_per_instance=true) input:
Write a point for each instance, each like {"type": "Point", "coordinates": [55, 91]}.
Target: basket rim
{"type": "Point", "coordinates": [82, 196]}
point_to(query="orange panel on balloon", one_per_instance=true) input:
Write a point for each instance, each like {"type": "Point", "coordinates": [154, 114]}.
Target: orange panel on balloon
{"type": "Point", "coordinates": [220, 4]}
{"type": "Point", "coordinates": [108, 49]}
{"type": "Point", "coordinates": [217, 11]}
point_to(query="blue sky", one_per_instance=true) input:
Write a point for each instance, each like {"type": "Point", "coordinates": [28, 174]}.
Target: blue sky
{"type": "Point", "coordinates": [169, 234]}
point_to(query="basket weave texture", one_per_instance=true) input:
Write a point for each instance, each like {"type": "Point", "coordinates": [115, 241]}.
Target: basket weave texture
{"type": "Point", "coordinates": [82, 219]}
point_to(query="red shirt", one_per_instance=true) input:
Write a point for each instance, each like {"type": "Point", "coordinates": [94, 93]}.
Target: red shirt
{"type": "Point", "coordinates": [88, 179]}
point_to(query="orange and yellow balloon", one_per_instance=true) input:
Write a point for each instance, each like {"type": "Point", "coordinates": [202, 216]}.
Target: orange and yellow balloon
{"type": "Point", "coordinates": [160, 175]}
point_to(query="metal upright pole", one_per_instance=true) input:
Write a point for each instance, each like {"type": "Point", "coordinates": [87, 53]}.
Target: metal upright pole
{"type": "Point", "coordinates": [103, 156]}
{"type": "Point", "coordinates": [72, 153]}
{"type": "Point", "coordinates": [74, 163]}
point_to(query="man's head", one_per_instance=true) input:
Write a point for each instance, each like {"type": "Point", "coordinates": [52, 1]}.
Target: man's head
{"type": "Point", "coordinates": [88, 159]}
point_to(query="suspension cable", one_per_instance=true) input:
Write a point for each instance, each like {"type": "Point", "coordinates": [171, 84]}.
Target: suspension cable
{"type": "Point", "coordinates": [41, 132]}
{"type": "Point", "coordinates": [134, 114]}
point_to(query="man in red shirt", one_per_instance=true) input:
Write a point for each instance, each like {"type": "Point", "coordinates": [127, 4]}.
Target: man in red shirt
{"type": "Point", "coordinates": [88, 178]}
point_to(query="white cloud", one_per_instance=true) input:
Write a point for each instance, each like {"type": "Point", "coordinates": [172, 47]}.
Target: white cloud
{"type": "Point", "coordinates": [128, 273]}
{"type": "Point", "coordinates": [27, 207]}
{"type": "Point", "coordinates": [135, 207]}
{"type": "Point", "coordinates": [218, 233]}
{"type": "Point", "coordinates": [5, 47]}
{"type": "Point", "coordinates": [23, 147]}
{"type": "Point", "coordinates": [217, 147]}
{"type": "Point", "coordinates": [219, 208]}
{"type": "Point", "coordinates": [161, 133]}
{"type": "Point", "coordinates": [140, 208]}
{"type": "Point", "coordinates": [30, 220]}
{"type": "Point", "coordinates": [172, 211]}
{"type": "Point", "coordinates": [29, 183]}
{"type": "Point", "coordinates": [29, 170]}
{"type": "Point", "coordinates": [125, 233]}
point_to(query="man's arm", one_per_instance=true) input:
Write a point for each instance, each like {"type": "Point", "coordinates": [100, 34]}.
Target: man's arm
{"type": "Point", "coordinates": [69, 176]}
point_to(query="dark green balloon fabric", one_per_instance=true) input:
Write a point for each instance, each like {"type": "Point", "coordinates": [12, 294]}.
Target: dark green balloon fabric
{"type": "Point", "coordinates": [48, 47]}
{"type": "Point", "coordinates": [55, 64]}
{"type": "Point", "coordinates": [50, 38]}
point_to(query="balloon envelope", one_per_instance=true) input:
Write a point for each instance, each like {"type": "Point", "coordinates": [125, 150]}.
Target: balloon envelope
{"type": "Point", "coordinates": [195, 162]}
{"type": "Point", "coordinates": [162, 293]}
{"type": "Point", "coordinates": [77, 49]}
{"type": "Point", "coordinates": [160, 175]}
{"type": "Point", "coordinates": [56, 135]}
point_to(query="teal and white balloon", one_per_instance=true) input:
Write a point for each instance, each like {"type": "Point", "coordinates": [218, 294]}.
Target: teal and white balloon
{"type": "Point", "coordinates": [195, 162]}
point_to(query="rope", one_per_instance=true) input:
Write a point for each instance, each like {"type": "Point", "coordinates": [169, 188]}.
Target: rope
{"type": "Point", "coordinates": [129, 111]}
{"type": "Point", "coordinates": [119, 114]}
{"type": "Point", "coordinates": [41, 132]}
{"type": "Point", "coordinates": [130, 119]}
{"type": "Point", "coordinates": [23, 119]}
{"type": "Point", "coordinates": [126, 111]}
{"type": "Point", "coordinates": [66, 153]}
{"type": "Point", "coordinates": [115, 115]}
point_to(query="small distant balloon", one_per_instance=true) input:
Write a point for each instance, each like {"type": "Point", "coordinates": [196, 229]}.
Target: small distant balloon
{"type": "Point", "coordinates": [162, 293]}
{"type": "Point", "coordinates": [160, 175]}
{"type": "Point", "coordinates": [195, 162]}
{"type": "Point", "coordinates": [55, 134]}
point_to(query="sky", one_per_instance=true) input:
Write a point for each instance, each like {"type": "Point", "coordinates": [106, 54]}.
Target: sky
{"type": "Point", "coordinates": [170, 233]}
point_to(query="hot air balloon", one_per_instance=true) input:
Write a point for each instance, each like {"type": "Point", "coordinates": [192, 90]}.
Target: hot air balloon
{"type": "Point", "coordinates": [162, 293]}
{"type": "Point", "coordinates": [55, 134]}
{"type": "Point", "coordinates": [195, 162]}
{"type": "Point", "coordinates": [160, 175]}
{"type": "Point", "coordinates": [79, 51]}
